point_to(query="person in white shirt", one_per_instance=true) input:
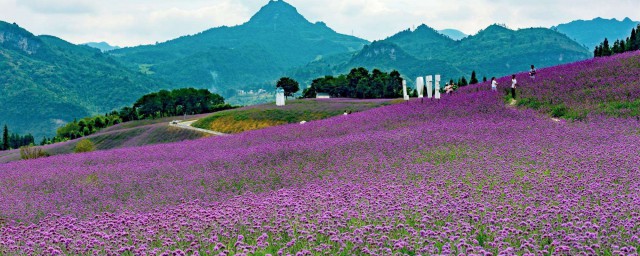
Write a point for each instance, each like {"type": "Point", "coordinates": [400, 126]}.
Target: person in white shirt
{"type": "Point", "coordinates": [494, 84]}
{"type": "Point", "coordinates": [532, 73]}
{"type": "Point", "coordinates": [514, 83]}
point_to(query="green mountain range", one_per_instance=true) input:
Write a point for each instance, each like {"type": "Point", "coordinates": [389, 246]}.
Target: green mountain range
{"type": "Point", "coordinates": [47, 82]}
{"type": "Point", "coordinates": [591, 33]}
{"type": "Point", "coordinates": [453, 34]}
{"type": "Point", "coordinates": [494, 51]}
{"type": "Point", "coordinates": [249, 56]}
{"type": "Point", "coordinates": [102, 46]}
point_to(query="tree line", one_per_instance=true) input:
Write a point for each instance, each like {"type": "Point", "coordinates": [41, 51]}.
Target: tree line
{"type": "Point", "coordinates": [632, 43]}
{"type": "Point", "coordinates": [13, 140]}
{"type": "Point", "coordinates": [150, 106]}
{"type": "Point", "coordinates": [359, 83]}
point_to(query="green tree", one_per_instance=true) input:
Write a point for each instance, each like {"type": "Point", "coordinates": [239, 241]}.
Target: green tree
{"type": "Point", "coordinates": [474, 79]}
{"type": "Point", "coordinates": [289, 86]}
{"type": "Point", "coordinates": [636, 42]}
{"type": "Point", "coordinates": [99, 122]}
{"type": "Point", "coordinates": [616, 47]}
{"type": "Point", "coordinates": [84, 146]}
{"type": "Point", "coordinates": [606, 49]}
{"type": "Point", "coordinates": [5, 138]}
{"type": "Point", "coordinates": [463, 81]}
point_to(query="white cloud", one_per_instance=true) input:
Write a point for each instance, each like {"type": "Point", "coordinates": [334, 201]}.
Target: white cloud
{"type": "Point", "coordinates": [58, 6]}
{"type": "Point", "coordinates": [133, 22]}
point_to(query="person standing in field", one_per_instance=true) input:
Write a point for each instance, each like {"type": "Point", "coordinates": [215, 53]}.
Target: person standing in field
{"type": "Point", "coordinates": [514, 83]}
{"type": "Point", "coordinates": [494, 84]}
{"type": "Point", "coordinates": [532, 73]}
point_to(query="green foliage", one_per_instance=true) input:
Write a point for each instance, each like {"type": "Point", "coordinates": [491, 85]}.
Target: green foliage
{"type": "Point", "coordinates": [249, 56]}
{"type": "Point", "coordinates": [258, 117]}
{"type": "Point", "coordinates": [31, 152]}
{"type": "Point", "coordinates": [632, 43]}
{"type": "Point", "coordinates": [359, 83]}
{"type": "Point", "coordinates": [14, 140]}
{"type": "Point", "coordinates": [289, 85]}
{"type": "Point", "coordinates": [85, 145]}
{"type": "Point", "coordinates": [47, 82]}
{"type": "Point", "coordinates": [474, 79]}
{"type": "Point", "coordinates": [559, 110]}
{"type": "Point", "coordinates": [171, 103]}
{"type": "Point", "coordinates": [150, 106]}
{"type": "Point", "coordinates": [5, 138]}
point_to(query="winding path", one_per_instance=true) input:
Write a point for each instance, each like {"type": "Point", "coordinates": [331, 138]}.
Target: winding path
{"type": "Point", "coordinates": [187, 125]}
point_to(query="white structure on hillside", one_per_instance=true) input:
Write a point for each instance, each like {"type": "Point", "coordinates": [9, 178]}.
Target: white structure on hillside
{"type": "Point", "coordinates": [404, 90]}
{"type": "Point", "coordinates": [280, 99]}
{"type": "Point", "coordinates": [322, 95]}
{"type": "Point", "coordinates": [437, 87]}
{"type": "Point", "coordinates": [429, 86]}
{"type": "Point", "coordinates": [420, 87]}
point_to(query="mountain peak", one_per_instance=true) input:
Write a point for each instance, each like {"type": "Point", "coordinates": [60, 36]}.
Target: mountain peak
{"type": "Point", "coordinates": [278, 12]}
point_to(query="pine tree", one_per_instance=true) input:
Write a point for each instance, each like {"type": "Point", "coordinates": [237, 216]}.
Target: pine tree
{"type": "Point", "coordinates": [463, 81]}
{"type": "Point", "coordinates": [631, 40]}
{"type": "Point", "coordinates": [474, 79]}
{"type": "Point", "coordinates": [5, 138]}
{"type": "Point", "coordinates": [623, 46]}
{"type": "Point", "coordinates": [616, 47]}
{"type": "Point", "coordinates": [606, 49]}
{"type": "Point", "coordinates": [636, 43]}
{"type": "Point", "coordinates": [596, 52]}
{"type": "Point", "coordinates": [484, 79]}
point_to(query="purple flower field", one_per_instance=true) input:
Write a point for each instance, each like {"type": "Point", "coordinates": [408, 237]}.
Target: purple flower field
{"type": "Point", "coordinates": [601, 85]}
{"type": "Point", "coordinates": [466, 175]}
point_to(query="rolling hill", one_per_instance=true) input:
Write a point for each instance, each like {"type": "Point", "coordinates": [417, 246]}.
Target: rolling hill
{"type": "Point", "coordinates": [453, 34]}
{"type": "Point", "coordinates": [494, 51]}
{"type": "Point", "coordinates": [102, 46]}
{"type": "Point", "coordinates": [47, 82]}
{"type": "Point", "coordinates": [591, 33]}
{"type": "Point", "coordinates": [467, 174]}
{"type": "Point", "coordinates": [249, 56]}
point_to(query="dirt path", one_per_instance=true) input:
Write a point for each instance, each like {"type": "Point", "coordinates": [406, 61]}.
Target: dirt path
{"type": "Point", "coordinates": [187, 125]}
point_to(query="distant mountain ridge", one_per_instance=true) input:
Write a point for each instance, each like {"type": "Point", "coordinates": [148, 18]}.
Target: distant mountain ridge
{"type": "Point", "coordinates": [453, 34]}
{"type": "Point", "coordinates": [102, 46]}
{"type": "Point", "coordinates": [592, 32]}
{"type": "Point", "coordinates": [258, 52]}
{"type": "Point", "coordinates": [47, 82]}
{"type": "Point", "coordinates": [494, 51]}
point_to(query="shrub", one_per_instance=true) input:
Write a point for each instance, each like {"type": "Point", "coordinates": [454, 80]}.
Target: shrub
{"type": "Point", "coordinates": [559, 110]}
{"type": "Point", "coordinates": [31, 152]}
{"type": "Point", "coordinates": [85, 146]}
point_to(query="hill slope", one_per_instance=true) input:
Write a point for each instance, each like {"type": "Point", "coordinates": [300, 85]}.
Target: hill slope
{"type": "Point", "coordinates": [494, 51]}
{"type": "Point", "coordinates": [592, 32]}
{"type": "Point", "coordinates": [453, 34]}
{"type": "Point", "coordinates": [47, 81]}
{"type": "Point", "coordinates": [102, 46]}
{"type": "Point", "coordinates": [275, 39]}
{"type": "Point", "coordinates": [590, 88]}
{"type": "Point", "coordinates": [421, 178]}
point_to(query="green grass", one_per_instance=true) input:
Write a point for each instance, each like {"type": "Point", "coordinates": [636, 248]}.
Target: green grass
{"type": "Point", "coordinates": [263, 116]}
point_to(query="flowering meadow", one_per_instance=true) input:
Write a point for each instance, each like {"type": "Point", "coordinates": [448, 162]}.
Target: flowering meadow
{"type": "Point", "coordinates": [267, 115]}
{"type": "Point", "coordinates": [464, 175]}
{"type": "Point", "coordinates": [601, 85]}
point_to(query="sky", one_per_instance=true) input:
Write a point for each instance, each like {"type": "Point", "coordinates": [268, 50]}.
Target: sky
{"type": "Point", "coordinates": [136, 22]}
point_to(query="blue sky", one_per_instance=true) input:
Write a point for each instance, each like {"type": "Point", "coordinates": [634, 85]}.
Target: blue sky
{"type": "Point", "coordinates": [134, 22]}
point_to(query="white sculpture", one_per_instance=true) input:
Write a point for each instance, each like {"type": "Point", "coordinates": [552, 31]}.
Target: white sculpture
{"type": "Point", "coordinates": [437, 87]}
{"type": "Point", "coordinates": [280, 99]}
{"type": "Point", "coordinates": [420, 87]}
{"type": "Point", "coordinates": [404, 90]}
{"type": "Point", "coordinates": [429, 86]}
